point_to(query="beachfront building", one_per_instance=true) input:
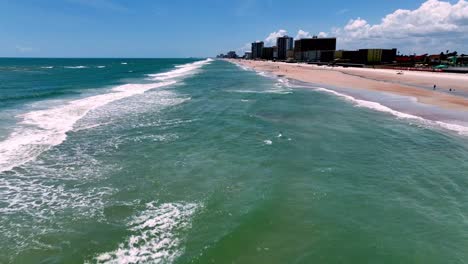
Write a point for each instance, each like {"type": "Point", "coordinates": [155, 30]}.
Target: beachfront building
{"type": "Point", "coordinates": [366, 56]}
{"type": "Point", "coordinates": [231, 55]}
{"type": "Point", "coordinates": [311, 49]}
{"type": "Point", "coordinates": [275, 52]}
{"type": "Point", "coordinates": [284, 44]}
{"type": "Point", "coordinates": [248, 55]}
{"type": "Point", "coordinates": [267, 53]}
{"type": "Point", "coordinates": [347, 56]}
{"type": "Point", "coordinates": [257, 48]}
{"type": "Point", "coordinates": [377, 56]}
{"type": "Point", "coordinates": [462, 60]}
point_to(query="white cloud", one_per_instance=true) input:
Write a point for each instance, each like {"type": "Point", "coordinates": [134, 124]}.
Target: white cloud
{"type": "Point", "coordinates": [435, 25]}
{"type": "Point", "coordinates": [247, 47]}
{"type": "Point", "coordinates": [322, 35]}
{"type": "Point", "coordinates": [271, 39]}
{"type": "Point", "coordinates": [303, 34]}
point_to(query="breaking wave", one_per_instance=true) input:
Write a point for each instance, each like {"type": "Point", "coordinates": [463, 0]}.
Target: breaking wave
{"type": "Point", "coordinates": [154, 235]}
{"type": "Point", "coordinates": [40, 130]}
{"type": "Point", "coordinates": [460, 129]}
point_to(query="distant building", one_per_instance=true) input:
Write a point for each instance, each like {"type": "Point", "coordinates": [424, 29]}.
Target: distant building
{"type": "Point", "coordinates": [311, 49]}
{"type": "Point", "coordinates": [377, 56]}
{"type": "Point", "coordinates": [257, 48]}
{"type": "Point", "coordinates": [275, 52]}
{"type": "Point", "coordinates": [347, 56]}
{"type": "Point", "coordinates": [284, 44]}
{"type": "Point", "coordinates": [267, 53]}
{"type": "Point", "coordinates": [462, 60]}
{"type": "Point", "coordinates": [371, 56]}
{"type": "Point", "coordinates": [248, 55]}
{"type": "Point", "coordinates": [231, 55]}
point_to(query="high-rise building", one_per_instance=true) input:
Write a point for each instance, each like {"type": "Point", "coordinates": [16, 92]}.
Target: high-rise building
{"type": "Point", "coordinates": [275, 52]}
{"type": "Point", "coordinates": [267, 53]}
{"type": "Point", "coordinates": [310, 49]}
{"type": "Point", "coordinates": [284, 44]}
{"type": "Point", "coordinates": [257, 49]}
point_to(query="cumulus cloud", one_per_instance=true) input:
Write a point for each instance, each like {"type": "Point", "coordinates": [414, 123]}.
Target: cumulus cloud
{"type": "Point", "coordinates": [247, 47]}
{"type": "Point", "coordinates": [303, 34]}
{"type": "Point", "coordinates": [322, 35]}
{"type": "Point", "coordinates": [271, 39]}
{"type": "Point", "coordinates": [433, 26]}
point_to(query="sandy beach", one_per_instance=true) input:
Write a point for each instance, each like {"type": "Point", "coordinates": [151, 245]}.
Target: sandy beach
{"type": "Point", "coordinates": [418, 85]}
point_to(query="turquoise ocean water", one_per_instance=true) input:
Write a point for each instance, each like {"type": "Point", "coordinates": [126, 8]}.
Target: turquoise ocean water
{"type": "Point", "coordinates": [201, 161]}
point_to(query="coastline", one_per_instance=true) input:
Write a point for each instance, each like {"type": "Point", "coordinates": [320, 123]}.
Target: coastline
{"type": "Point", "coordinates": [407, 84]}
{"type": "Point", "coordinates": [410, 93]}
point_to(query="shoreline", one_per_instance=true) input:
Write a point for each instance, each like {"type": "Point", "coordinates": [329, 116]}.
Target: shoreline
{"type": "Point", "coordinates": [390, 91]}
{"type": "Point", "coordinates": [409, 84]}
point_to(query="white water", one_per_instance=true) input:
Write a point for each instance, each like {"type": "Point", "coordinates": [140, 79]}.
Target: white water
{"type": "Point", "coordinates": [180, 71]}
{"type": "Point", "coordinates": [38, 131]}
{"type": "Point", "coordinates": [154, 236]}
{"type": "Point", "coordinates": [76, 67]}
{"type": "Point", "coordinates": [460, 129]}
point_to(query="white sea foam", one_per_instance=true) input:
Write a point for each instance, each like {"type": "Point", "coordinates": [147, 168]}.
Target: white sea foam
{"type": "Point", "coordinates": [269, 91]}
{"type": "Point", "coordinates": [123, 63]}
{"type": "Point", "coordinates": [245, 68]}
{"type": "Point", "coordinates": [268, 142]}
{"type": "Point", "coordinates": [39, 198]}
{"type": "Point", "coordinates": [47, 67]}
{"type": "Point", "coordinates": [460, 129]}
{"type": "Point", "coordinates": [40, 130]}
{"type": "Point", "coordinates": [76, 67]}
{"type": "Point", "coordinates": [180, 71]}
{"type": "Point", "coordinates": [100, 67]}
{"type": "Point", "coordinates": [154, 235]}
{"type": "Point", "coordinates": [264, 74]}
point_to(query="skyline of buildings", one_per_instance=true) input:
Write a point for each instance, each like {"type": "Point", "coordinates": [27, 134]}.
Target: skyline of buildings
{"type": "Point", "coordinates": [322, 50]}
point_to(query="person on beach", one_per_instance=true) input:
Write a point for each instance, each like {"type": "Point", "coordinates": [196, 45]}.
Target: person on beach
{"type": "Point", "coordinates": [435, 86]}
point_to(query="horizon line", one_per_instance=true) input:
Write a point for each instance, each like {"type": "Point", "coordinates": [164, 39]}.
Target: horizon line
{"type": "Point", "coordinates": [39, 57]}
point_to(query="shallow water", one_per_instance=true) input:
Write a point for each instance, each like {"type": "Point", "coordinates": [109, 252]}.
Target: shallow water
{"type": "Point", "coordinates": [212, 163]}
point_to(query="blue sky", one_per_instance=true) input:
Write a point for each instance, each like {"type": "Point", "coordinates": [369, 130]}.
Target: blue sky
{"type": "Point", "coordinates": [184, 28]}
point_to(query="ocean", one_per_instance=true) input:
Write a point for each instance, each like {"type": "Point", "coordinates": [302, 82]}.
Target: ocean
{"type": "Point", "coordinates": [201, 161]}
